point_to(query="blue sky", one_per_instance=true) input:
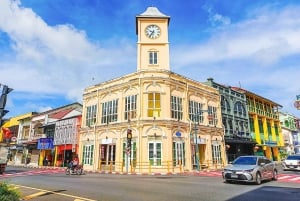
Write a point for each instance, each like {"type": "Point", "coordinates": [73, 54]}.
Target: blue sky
{"type": "Point", "coordinates": [50, 50]}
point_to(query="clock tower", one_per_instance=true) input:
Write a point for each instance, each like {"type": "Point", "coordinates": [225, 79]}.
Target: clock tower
{"type": "Point", "coordinates": [153, 43]}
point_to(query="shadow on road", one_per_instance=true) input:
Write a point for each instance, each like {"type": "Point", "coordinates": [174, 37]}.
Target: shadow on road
{"type": "Point", "coordinates": [270, 193]}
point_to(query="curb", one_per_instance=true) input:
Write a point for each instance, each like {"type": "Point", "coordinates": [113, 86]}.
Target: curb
{"type": "Point", "coordinates": [192, 173]}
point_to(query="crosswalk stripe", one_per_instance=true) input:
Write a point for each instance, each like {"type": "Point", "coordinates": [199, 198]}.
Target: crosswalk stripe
{"type": "Point", "coordinates": [295, 179]}
{"type": "Point", "coordinates": [29, 173]}
{"type": "Point", "coordinates": [284, 177]}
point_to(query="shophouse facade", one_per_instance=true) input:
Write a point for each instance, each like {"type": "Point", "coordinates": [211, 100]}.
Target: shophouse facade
{"type": "Point", "coordinates": [290, 131]}
{"type": "Point", "coordinates": [66, 138]}
{"type": "Point", "coordinates": [296, 138]}
{"type": "Point", "coordinates": [12, 143]}
{"type": "Point", "coordinates": [235, 119]}
{"type": "Point", "coordinates": [152, 120]}
{"type": "Point", "coordinates": [23, 134]}
{"type": "Point", "coordinates": [265, 125]}
{"type": "Point", "coordinates": [41, 141]}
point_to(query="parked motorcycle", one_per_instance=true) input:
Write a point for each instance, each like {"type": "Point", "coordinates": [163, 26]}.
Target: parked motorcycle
{"type": "Point", "coordinates": [78, 170]}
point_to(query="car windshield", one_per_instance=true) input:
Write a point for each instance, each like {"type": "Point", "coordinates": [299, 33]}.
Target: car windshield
{"type": "Point", "coordinates": [245, 161]}
{"type": "Point", "coordinates": [293, 157]}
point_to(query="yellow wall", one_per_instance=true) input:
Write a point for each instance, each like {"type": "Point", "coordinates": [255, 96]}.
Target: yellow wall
{"type": "Point", "coordinates": [273, 121]}
{"type": "Point", "coordinates": [14, 121]}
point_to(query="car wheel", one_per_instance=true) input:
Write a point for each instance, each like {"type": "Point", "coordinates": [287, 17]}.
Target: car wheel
{"type": "Point", "coordinates": [258, 179]}
{"type": "Point", "coordinates": [275, 175]}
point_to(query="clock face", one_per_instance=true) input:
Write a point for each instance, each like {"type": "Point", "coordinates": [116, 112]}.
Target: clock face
{"type": "Point", "coordinates": [152, 31]}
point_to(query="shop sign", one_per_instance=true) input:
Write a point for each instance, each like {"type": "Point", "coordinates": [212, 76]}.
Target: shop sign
{"type": "Point", "coordinates": [45, 143]}
{"type": "Point", "coordinates": [107, 141]}
{"type": "Point", "coordinates": [270, 143]}
{"type": "Point", "coordinates": [31, 146]}
{"type": "Point", "coordinates": [199, 141]}
{"type": "Point", "coordinates": [178, 134]}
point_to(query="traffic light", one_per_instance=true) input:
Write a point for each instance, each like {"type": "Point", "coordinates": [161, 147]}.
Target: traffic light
{"type": "Point", "coordinates": [129, 134]}
{"type": "Point", "coordinates": [1, 122]}
{"type": "Point", "coordinates": [3, 98]}
{"type": "Point", "coordinates": [3, 112]}
{"type": "Point", "coordinates": [129, 137]}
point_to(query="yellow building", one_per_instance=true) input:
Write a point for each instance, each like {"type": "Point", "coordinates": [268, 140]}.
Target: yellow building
{"type": "Point", "coordinates": [264, 125]}
{"type": "Point", "coordinates": [13, 144]}
{"type": "Point", "coordinates": [152, 120]}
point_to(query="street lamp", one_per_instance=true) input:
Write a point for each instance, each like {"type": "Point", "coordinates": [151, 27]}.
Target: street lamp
{"type": "Point", "coordinates": [197, 158]}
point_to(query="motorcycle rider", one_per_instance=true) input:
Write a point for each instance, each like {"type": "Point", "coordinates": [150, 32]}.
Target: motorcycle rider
{"type": "Point", "coordinates": [75, 163]}
{"type": "Point", "coordinates": [74, 167]}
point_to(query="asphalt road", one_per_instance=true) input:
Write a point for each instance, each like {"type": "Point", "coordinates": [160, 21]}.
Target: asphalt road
{"type": "Point", "coordinates": [106, 187]}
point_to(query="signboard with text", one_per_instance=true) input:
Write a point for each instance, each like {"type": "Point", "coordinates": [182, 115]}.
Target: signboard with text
{"type": "Point", "coordinates": [45, 143]}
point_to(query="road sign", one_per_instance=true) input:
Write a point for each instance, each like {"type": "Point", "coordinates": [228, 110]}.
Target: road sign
{"type": "Point", "coordinates": [297, 104]}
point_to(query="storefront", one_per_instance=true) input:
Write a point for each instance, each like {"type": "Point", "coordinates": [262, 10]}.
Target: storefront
{"type": "Point", "coordinates": [45, 145]}
{"type": "Point", "coordinates": [63, 154]}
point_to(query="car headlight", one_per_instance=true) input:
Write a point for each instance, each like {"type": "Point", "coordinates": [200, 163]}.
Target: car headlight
{"type": "Point", "coordinates": [249, 171]}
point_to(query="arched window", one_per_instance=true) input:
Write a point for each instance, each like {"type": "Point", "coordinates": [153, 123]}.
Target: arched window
{"type": "Point", "coordinates": [286, 123]}
{"type": "Point", "coordinates": [225, 104]}
{"type": "Point", "coordinates": [239, 109]}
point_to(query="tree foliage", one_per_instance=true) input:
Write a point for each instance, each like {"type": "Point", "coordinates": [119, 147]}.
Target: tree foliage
{"type": "Point", "coordinates": [7, 193]}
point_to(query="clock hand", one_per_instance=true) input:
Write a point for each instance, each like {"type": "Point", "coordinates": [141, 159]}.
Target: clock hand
{"type": "Point", "coordinates": [152, 33]}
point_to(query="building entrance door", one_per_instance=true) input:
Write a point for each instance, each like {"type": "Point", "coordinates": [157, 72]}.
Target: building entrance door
{"type": "Point", "coordinates": [178, 153]}
{"type": "Point", "coordinates": [108, 154]}
{"type": "Point", "coordinates": [155, 153]}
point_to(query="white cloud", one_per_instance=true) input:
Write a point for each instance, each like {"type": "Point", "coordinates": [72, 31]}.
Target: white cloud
{"type": "Point", "coordinates": [253, 52]}
{"type": "Point", "coordinates": [216, 19]}
{"type": "Point", "coordinates": [56, 59]}
{"type": "Point", "coordinates": [265, 38]}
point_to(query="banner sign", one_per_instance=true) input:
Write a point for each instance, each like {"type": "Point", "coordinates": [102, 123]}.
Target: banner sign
{"type": "Point", "coordinates": [45, 143]}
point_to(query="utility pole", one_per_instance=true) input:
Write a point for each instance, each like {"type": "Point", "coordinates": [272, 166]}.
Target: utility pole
{"type": "Point", "coordinates": [128, 149]}
{"type": "Point", "coordinates": [197, 155]}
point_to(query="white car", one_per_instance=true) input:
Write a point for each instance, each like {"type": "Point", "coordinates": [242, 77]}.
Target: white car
{"type": "Point", "coordinates": [292, 162]}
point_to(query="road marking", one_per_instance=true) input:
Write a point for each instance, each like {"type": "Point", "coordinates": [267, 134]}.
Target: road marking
{"type": "Point", "coordinates": [295, 179]}
{"type": "Point", "coordinates": [52, 192]}
{"type": "Point", "coordinates": [284, 177]}
{"type": "Point", "coordinates": [13, 187]}
{"type": "Point", "coordinates": [29, 197]}
{"type": "Point", "coordinates": [30, 173]}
